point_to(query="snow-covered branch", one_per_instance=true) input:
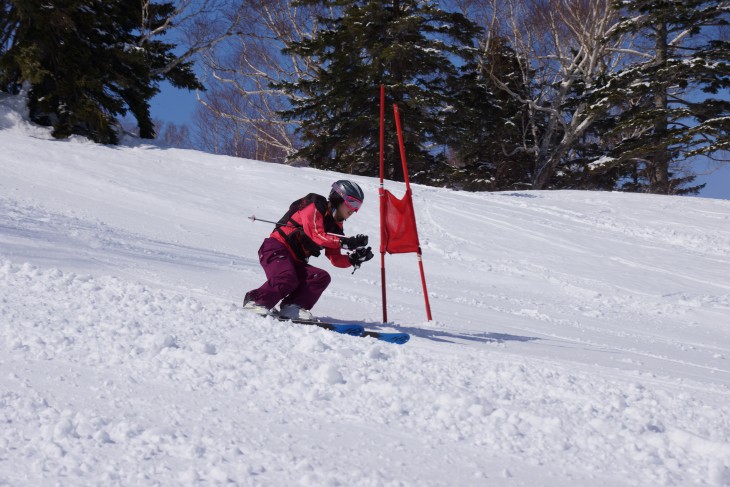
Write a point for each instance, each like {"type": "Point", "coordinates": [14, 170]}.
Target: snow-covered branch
{"type": "Point", "coordinates": [560, 46]}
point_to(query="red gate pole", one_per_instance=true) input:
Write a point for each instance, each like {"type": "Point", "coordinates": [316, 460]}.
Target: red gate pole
{"type": "Point", "coordinates": [382, 201]}
{"type": "Point", "coordinates": [408, 190]}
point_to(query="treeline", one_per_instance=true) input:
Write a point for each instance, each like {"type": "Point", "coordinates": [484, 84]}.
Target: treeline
{"type": "Point", "coordinates": [494, 94]}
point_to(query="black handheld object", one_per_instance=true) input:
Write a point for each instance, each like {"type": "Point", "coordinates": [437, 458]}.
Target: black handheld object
{"type": "Point", "coordinates": [352, 243]}
{"type": "Point", "coordinates": [360, 255]}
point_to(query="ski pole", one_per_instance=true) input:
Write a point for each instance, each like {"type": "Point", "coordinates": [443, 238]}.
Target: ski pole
{"type": "Point", "coordinates": [254, 219]}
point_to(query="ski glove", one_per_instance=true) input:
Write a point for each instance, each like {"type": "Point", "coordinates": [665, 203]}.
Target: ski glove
{"type": "Point", "coordinates": [352, 243]}
{"type": "Point", "coordinates": [363, 254]}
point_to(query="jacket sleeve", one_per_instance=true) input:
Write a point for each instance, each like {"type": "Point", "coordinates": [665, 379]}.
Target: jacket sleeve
{"type": "Point", "coordinates": [337, 258]}
{"type": "Point", "coordinates": [313, 225]}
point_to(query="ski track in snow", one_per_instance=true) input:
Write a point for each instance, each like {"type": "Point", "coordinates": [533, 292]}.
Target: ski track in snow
{"type": "Point", "coordinates": [579, 338]}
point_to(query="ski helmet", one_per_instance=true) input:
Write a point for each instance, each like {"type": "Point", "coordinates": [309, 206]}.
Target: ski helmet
{"type": "Point", "coordinates": [349, 192]}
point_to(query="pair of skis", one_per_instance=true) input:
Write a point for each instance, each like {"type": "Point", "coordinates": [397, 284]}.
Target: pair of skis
{"type": "Point", "coordinates": [354, 330]}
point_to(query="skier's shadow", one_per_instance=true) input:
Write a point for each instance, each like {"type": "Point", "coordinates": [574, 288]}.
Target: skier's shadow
{"type": "Point", "coordinates": [452, 337]}
{"type": "Point", "coordinates": [445, 336]}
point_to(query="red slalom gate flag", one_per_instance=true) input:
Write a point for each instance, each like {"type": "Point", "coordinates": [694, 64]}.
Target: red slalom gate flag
{"type": "Point", "coordinates": [399, 231]}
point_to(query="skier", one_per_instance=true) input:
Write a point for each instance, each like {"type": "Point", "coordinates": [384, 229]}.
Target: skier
{"type": "Point", "coordinates": [311, 224]}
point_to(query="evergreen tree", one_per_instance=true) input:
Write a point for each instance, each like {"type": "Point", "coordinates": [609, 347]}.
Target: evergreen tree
{"type": "Point", "coordinates": [488, 124]}
{"type": "Point", "coordinates": [585, 165]}
{"type": "Point", "coordinates": [87, 62]}
{"type": "Point", "coordinates": [7, 23]}
{"type": "Point", "coordinates": [674, 113]}
{"type": "Point", "coordinates": [411, 47]}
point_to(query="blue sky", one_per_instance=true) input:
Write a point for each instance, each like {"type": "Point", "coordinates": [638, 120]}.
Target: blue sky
{"type": "Point", "coordinates": [174, 105]}
{"type": "Point", "coordinates": [718, 184]}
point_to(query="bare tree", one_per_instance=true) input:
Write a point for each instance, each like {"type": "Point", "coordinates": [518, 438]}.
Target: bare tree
{"type": "Point", "coordinates": [195, 25]}
{"type": "Point", "coordinates": [175, 135]}
{"type": "Point", "coordinates": [244, 73]}
{"type": "Point", "coordinates": [562, 50]}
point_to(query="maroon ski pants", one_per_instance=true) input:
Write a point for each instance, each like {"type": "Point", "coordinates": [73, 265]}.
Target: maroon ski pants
{"type": "Point", "coordinates": [287, 279]}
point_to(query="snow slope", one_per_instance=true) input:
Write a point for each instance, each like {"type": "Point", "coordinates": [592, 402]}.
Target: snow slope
{"type": "Point", "coordinates": [579, 338]}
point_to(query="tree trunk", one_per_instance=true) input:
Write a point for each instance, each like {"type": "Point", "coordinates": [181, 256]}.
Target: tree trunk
{"type": "Point", "coordinates": [398, 80]}
{"type": "Point", "coordinates": [659, 169]}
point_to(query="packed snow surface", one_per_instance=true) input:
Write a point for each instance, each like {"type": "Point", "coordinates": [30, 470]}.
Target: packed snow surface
{"type": "Point", "coordinates": [579, 338]}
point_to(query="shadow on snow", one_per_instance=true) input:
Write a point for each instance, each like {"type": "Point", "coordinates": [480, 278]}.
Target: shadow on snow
{"type": "Point", "coordinates": [443, 336]}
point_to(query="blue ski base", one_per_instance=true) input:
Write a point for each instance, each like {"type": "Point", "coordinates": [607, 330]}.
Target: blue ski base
{"type": "Point", "coordinates": [355, 330]}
